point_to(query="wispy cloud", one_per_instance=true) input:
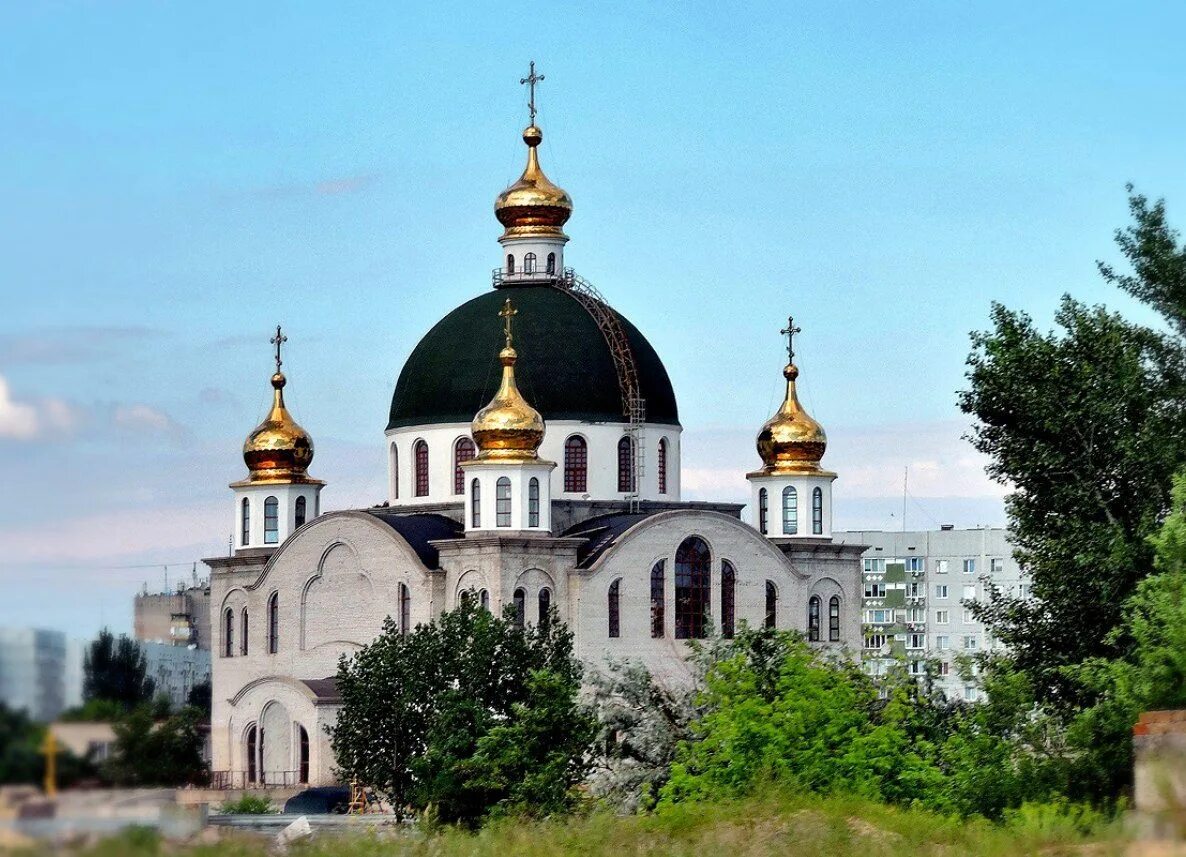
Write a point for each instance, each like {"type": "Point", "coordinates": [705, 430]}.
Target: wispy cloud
{"type": "Point", "coordinates": [67, 344]}
{"type": "Point", "coordinates": [18, 420]}
{"type": "Point", "coordinates": [35, 419]}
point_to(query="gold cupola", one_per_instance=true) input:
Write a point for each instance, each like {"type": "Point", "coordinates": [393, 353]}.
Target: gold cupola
{"type": "Point", "coordinates": [508, 428]}
{"type": "Point", "coordinates": [278, 450]}
{"type": "Point", "coordinates": [791, 441]}
{"type": "Point", "coordinates": [533, 205]}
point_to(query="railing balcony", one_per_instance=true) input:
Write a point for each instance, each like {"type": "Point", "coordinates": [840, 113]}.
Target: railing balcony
{"type": "Point", "coordinates": [227, 780]}
{"type": "Point", "coordinates": [500, 276]}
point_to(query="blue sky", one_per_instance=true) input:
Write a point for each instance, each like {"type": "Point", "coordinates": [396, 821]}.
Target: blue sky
{"type": "Point", "coordinates": [176, 179]}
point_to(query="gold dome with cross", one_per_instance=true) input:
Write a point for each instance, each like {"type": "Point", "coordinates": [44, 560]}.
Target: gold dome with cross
{"type": "Point", "coordinates": [791, 441]}
{"type": "Point", "coordinates": [508, 428]}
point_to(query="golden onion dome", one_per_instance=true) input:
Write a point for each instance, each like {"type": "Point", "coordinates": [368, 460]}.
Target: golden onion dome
{"type": "Point", "coordinates": [791, 441]}
{"type": "Point", "coordinates": [508, 429]}
{"type": "Point", "coordinates": [279, 450]}
{"type": "Point", "coordinates": [533, 205]}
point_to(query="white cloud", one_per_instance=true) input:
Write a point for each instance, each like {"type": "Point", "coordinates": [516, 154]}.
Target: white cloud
{"type": "Point", "coordinates": [18, 420]}
{"type": "Point", "coordinates": [143, 418]}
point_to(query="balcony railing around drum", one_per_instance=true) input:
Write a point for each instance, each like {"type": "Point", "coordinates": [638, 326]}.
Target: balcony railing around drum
{"type": "Point", "coordinates": [500, 276]}
{"type": "Point", "coordinates": [227, 780]}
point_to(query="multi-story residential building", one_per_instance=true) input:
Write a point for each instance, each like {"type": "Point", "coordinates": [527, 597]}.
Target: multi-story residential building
{"type": "Point", "coordinates": [917, 587]}
{"type": "Point", "coordinates": [179, 618]}
{"type": "Point", "coordinates": [37, 672]}
{"type": "Point", "coordinates": [176, 670]}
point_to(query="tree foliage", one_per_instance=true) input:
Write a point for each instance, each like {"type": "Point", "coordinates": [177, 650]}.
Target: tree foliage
{"type": "Point", "coordinates": [465, 716]}
{"type": "Point", "coordinates": [116, 670]}
{"type": "Point", "coordinates": [152, 752]}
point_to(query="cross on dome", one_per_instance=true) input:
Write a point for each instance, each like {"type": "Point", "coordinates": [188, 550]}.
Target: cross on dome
{"type": "Point", "coordinates": [278, 340]}
{"type": "Point", "coordinates": [789, 332]}
{"type": "Point", "coordinates": [531, 80]}
{"type": "Point", "coordinates": [507, 313]}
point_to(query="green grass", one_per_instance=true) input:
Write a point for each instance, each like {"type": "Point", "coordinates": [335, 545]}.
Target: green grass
{"type": "Point", "coordinates": [832, 827]}
{"type": "Point", "coordinates": [248, 805]}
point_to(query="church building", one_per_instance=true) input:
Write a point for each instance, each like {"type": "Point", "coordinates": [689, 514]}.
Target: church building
{"type": "Point", "coordinates": [533, 460]}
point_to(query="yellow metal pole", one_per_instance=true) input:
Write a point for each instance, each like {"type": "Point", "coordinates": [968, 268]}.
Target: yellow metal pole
{"type": "Point", "coordinates": [50, 749]}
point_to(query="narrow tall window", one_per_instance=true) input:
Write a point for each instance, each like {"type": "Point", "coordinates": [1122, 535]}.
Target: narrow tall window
{"type": "Point", "coordinates": [545, 606]}
{"type": "Point", "coordinates": [243, 633]}
{"type": "Point", "coordinates": [484, 600]}
{"type": "Point", "coordinates": [228, 633]}
{"type": "Point", "coordinates": [420, 454]}
{"type": "Point", "coordinates": [790, 511]}
{"type": "Point", "coordinates": [394, 472]}
{"type": "Point", "coordinates": [625, 466]}
{"type": "Point", "coordinates": [658, 597]}
{"type": "Point", "coordinates": [551, 263]}
{"type": "Point", "coordinates": [693, 564]}
{"type": "Point", "coordinates": [303, 768]}
{"type": "Point", "coordinates": [271, 521]}
{"type": "Point", "coordinates": [662, 465]}
{"type": "Point", "coordinates": [252, 753]}
{"type": "Point", "coordinates": [463, 451]}
{"type": "Point", "coordinates": [245, 538]}
{"type": "Point", "coordinates": [298, 516]}
{"type": "Point", "coordinates": [475, 504]}
{"type": "Point", "coordinates": [274, 623]}
{"type": "Point", "coordinates": [817, 512]}
{"type": "Point", "coordinates": [813, 606]}
{"type": "Point", "coordinates": [533, 502]}
{"type": "Point", "coordinates": [576, 464]}
{"type": "Point", "coordinates": [615, 626]}
{"type": "Point", "coordinates": [763, 511]}
{"type": "Point", "coordinates": [728, 599]}
{"type": "Point", "coordinates": [520, 607]}
{"type": "Point", "coordinates": [405, 610]}
{"type": "Point", "coordinates": [771, 604]}
{"type": "Point", "coordinates": [502, 502]}
{"type": "Point", "coordinates": [529, 263]}
{"type": "Point", "coordinates": [834, 619]}
{"type": "Point", "coordinates": [510, 264]}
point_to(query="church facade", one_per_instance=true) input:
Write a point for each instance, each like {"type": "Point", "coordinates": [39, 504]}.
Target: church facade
{"type": "Point", "coordinates": [533, 455]}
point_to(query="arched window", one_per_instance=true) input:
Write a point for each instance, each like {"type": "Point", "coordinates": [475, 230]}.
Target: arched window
{"type": "Point", "coordinates": [576, 464]}
{"type": "Point", "coordinates": [625, 466]}
{"type": "Point", "coordinates": [252, 753]}
{"type": "Point", "coordinates": [274, 623]}
{"type": "Point", "coordinates": [693, 563]}
{"type": "Point", "coordinates": [245, 539]}
{"type": "Point", "coordinates": [551, 263]}
{"type": "Point", "coordinates": [303, 768]}
{"type": "Point", "coordinates": [463, 451]}
{"type": "Point", "coordinates": [228, 633]}
{"type": "Point", "coordinates": [545, 606]}
{"type": "Point", "coordinates": [394, 472]}
{"type": "Point", "coordinates": [662, 465]}
{"type": "Point", "coordinates": [420, 454]}
{"type": "Point", "coordinates": [817, 512]}
{"type": "Point", "coordinates": [405, 609]}
{"type": "Point", "coordinates": [615, 590]}
{"type": "Point", "coordinates": [502, 502]}
{"type": "Point", "coordinates": [243, 632]}
{"type": "Point", "coordinates": [529, 263]}
{"type": "Point", "coordinates": [533, 502]}
{"type": "Point", "coordinates": [510, 264]}
{"type": "Point", "coordinates": [475, 504]}
{"type": "Point", "coordinates": [771, 604]}
{"type": "Point", "coordinates": [658, 598]}
{"type": "Point", "coordinates": [834, 619]}
{"type": "Point", "coordinates": [763, 511]}
{"type": "Point", "coordinates": [298, 516]}
{"type": "Point", "coordinates": [790, 511]}
{"type": "Point", "coordinates": [271, 521]}
{"type": "Point", "coordinates": [484, 599]}
{"type": "Point", "coordinates": [728, 599]}
{"type": "Point", "coordinates": [813, 606]}
{"type": "Point", "coordinates": [520, 607]}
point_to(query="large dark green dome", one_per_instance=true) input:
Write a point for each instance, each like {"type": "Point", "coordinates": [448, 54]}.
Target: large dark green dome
{"type": "Point", "coordinates": [565, 368]}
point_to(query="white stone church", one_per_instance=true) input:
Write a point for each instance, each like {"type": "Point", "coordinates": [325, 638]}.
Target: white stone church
{"type": "Point", "coordinates": [533, 455]}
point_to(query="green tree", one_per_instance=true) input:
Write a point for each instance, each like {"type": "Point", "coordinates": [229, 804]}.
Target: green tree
{"type": "Point", "coordinates": [20, 744]}
{"type": "Point", "coordinates": [467, 715]}
{"type": "Point", "coordinates": [116, 671]}
{"type": "Point", "coordinates": [151, 752]}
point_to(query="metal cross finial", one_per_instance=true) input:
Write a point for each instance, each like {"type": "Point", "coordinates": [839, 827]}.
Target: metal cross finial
{"type": "Point", "coordinates": [278, 340]}
{"type": "Point", "coordinates": [507, 313]}
{"type": "Point", "coordinates": [789, 332]}
{"type": "Point", "coordinates": [531, 80]}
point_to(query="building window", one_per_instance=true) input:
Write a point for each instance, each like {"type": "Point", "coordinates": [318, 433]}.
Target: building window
{"type": "Point", "coordinates": [693, 564]}
{"type": "Point", "coordinates": [941, 566]}
{"type": "Point", "coordinates": [245, 538]}
{"type": "Point", "coordinates": [875, 590]}
{"type": "Point", "coordinates": [817, 512]}
{"type": "Point", "coordinates": [551, 263]}
{"type": "Point", "coordinates": [510, 264]}
{"type": "Point", "coordinates": [942, 642]}
{"type": "Point", "coordinates": [420, 455]}
{"type": "Point", "coordinates": [944, 668]}
{"type": "Point", "coordinates": [914, 563]}
{"type": "Point", "coordinates": [502, 502]}
{"type": "Point", "coordinates": [970, 591]}
{"type": "Point", "coordinates": [545, 606]}
{"type": "Point", "coordinates": [298, 517]}
{"type": "Point", "coordinates": [484, 599]}
{"type": "Point", "coordinates": [243, 633]}
{"type": "Point", "coordinates": [971, 693]}
{"type": "Point", "coordinates": [405, 609]}
{"type": "Point", "coordinates": [274, 623]}
{"type": "Point", "coordinates": [916, 641]}
{"type": "Point", "coordinates": [941, 590]}
{"type": "Point", "coordinates": [658, 598]}
{"type": "Point", "coordinates": [969, 566]}
{"type": "Point", "coordinates": [942, 617]}
{"type": "Point", "coordinates": [533, 502]}
{"type": "Point", "coordinates": [303, 768]}
{"type": "Point", "coordinates": [970, 643]}
{"type": "Point", "coordinates": [228, 633]}
{"type": "Point", "coordinates": [996, 565]}
{"type": "Point", "coordinates": [813, 610]}
{"type": "Point", "coordinates": [475, 504]}
{"type": "Point", "coordinates": [728, 599]}
{"type": "Point", "coordinates": [529, 263]}
{"type": "Point", "coordinates": [662, 465]}
{"type": "Point", "coordinates": [771, 604]}
{"type": "Point", "coordinates": [874, 565]}
{"type": "Point", "coordinates": [520, 607]}
{"type": "Point", "coordinates": [576, 463]}
{"type": "Point", "coordinates": [625, 466]}
{"type": "Point", "coordinates": [271, 521]}
{"type": "Point", "coordinates": [834, 619]}
{"type": "Point", "coordinates": [874, 641]}
{"type": "Point", "coordinates": [763, 509]}
{"type": "Point", "coordinates": [252, 752]}
{"type": "Point", "coordinates": [394, 472]}
{"type": "Point", "coordinates": [613, 605]}
{"type": "Point", "coordinates": [790, 511]}
{"type": "Point", "coordinates": [463, 451]}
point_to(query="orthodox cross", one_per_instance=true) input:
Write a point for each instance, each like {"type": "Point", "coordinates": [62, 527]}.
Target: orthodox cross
{"type": "Point", "coordinates": [278, 340]}
{"type": "Point", "coordinates": [789, 332]}
{"type": "Point", "coordinates": [507, 313]}
{"type": "Point", "coordinates": [531, 80]}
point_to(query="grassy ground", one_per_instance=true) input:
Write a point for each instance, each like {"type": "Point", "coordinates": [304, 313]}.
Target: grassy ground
{"type": "Point", "coordinates": [775, 825]}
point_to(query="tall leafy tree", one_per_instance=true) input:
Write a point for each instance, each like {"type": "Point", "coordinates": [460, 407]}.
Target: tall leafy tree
{"type": "Point", "coordinates": [115, 670]}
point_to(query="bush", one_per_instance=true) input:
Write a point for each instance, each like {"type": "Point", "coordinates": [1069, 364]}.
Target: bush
{"type": "Point", "coordinates": [248, 805]}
